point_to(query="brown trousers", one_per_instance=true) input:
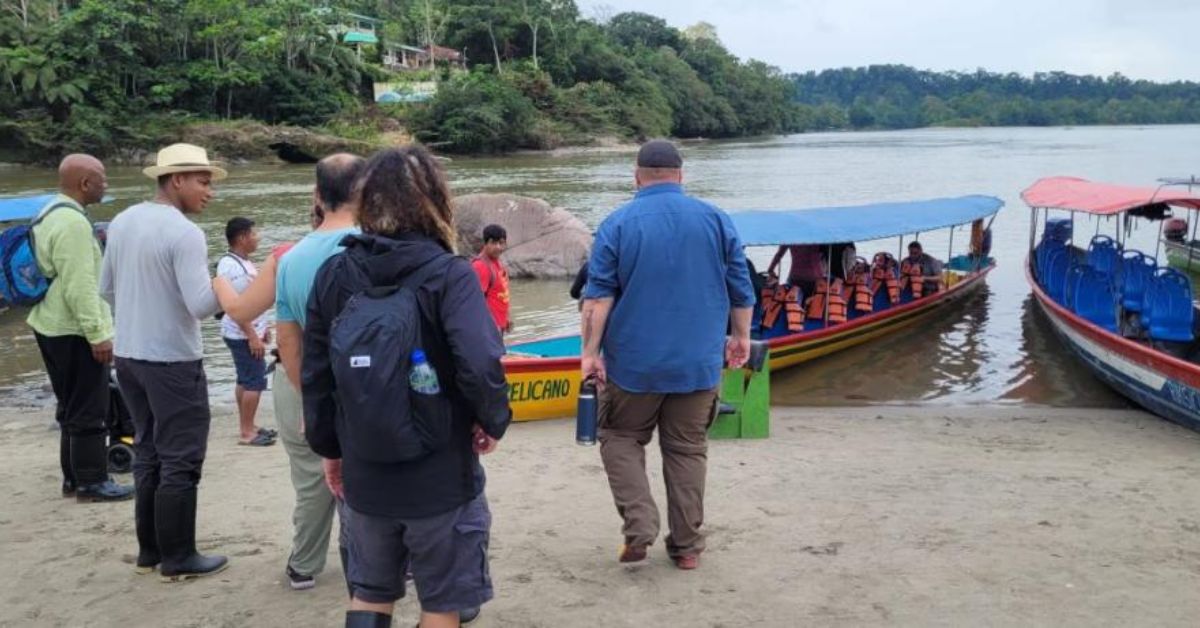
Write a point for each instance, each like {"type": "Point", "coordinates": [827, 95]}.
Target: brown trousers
{"type": "Point", "coordinates": [627, 421]}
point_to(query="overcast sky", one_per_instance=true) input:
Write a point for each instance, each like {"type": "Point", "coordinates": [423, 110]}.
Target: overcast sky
{"type": "Point", "coordinates": [1149, 39]}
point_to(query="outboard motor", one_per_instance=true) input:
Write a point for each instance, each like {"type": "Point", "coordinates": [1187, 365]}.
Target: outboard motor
{"type": "Point", "coordinates": [1175, 229]}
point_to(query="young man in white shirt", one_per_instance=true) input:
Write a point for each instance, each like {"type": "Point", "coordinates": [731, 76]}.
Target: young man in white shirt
{"type": "Point", "coordinates": [246, 341]}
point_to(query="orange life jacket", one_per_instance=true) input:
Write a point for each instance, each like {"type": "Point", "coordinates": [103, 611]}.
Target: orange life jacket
{"type": "Point", "coordinates": [837, 302]}
{"type": "Point", "coordinates": [776, 298]}
{"type": "Point", "coordinates": [912, 276]}
{"type": "Point", "coordinates": [860, 292]}
{"type": "Point", "coordinates": [882, 275]}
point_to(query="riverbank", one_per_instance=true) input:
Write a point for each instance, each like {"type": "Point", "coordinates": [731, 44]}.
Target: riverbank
{"type": "Point", "coordinates": [846, 517]}
{"type": "Point", "coordinates": [253, 142]}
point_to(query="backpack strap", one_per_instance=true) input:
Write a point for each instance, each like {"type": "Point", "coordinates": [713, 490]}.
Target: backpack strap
{"type": "Point", "coordinates": [38, 220]}
{"type": "Point", "coordinates": [237, 260]}
{"type": "Point", "coordinates": [50, 210]}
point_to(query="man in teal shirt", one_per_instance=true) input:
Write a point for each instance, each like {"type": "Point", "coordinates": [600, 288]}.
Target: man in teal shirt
{"type": "Point", "coordinates": [315, 505]}
{"type": "Point", "coordinates": [73, 327]}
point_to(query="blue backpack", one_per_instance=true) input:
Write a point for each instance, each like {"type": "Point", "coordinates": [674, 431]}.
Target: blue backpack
{"type": "Point", "coordinates": [21, 280]}
{"type": "Point", "coordinates": [371, 343]}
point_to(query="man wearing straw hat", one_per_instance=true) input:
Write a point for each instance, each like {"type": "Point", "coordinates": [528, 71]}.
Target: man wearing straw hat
{"type": "Point", "coordinates": [155, 273]}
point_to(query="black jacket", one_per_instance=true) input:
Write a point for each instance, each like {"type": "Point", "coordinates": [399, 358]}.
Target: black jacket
{"type": "Point", "coordinates": [462, 344]}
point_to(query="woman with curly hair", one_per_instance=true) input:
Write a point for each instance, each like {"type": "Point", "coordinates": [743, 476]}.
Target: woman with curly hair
{"type": "Point", "coordinates": [406, 458]}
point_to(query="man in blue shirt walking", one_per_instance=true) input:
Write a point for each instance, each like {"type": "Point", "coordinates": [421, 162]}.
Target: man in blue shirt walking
{"type": "Point", "coordinates": [666, 277]}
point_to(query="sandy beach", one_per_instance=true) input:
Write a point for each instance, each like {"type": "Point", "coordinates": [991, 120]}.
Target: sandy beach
{"type": "Point", "coordinates": [912, 516]}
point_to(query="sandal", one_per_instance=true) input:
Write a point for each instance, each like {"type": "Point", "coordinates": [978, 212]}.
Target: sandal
{"type": "Point", "coordinates": [259, 440]}
{"type": "Point", "coordinates": [266, 431]}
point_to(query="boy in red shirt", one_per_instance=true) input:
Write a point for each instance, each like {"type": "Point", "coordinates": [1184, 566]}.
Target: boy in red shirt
{"type": "Point", "coordinates": [493, 278]}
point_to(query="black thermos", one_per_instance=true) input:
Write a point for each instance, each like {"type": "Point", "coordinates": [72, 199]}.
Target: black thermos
{"type": "Point", "coordinates": [585, 413]}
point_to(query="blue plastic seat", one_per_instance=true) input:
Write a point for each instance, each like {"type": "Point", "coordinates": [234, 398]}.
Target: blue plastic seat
{"type": "Point", "coordinates": [1137, 271]}
{"type": "Point", "coordinates": [1042, 256]}
{"type": "Point", "coordinates": [1170, 305]}
{"type": "Point", "coordinates": [1095, 300]}
{"type": "Point", "coordinates": [1104, 255]}
{"type": "Point", "coordinates": [1055, 280]}
{"type": "Point", "coordinates": [1075, 272]}
{"type": "Point", "coordinates": [1057, 229]}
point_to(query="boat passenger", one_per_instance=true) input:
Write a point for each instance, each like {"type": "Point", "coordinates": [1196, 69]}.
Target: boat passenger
{"type": "Point", "coordinates": [883, 276]}
{"type": "Point", "coordinates": [921, 272]}
{"type": "Point", "coordinates": [841, 259]}
{"type": "Point", "coordinates": [834, 311]}
{"type": "Point", "coordinates": [808, 266]}
{"type": "Point", "coordinates": [776, 299]}
{"type": "Point", "coordinates": [858, 287]}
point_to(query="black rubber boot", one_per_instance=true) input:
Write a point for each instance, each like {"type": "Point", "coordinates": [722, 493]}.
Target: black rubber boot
{"type": "Point", "coordinates": [175, 525]}
{"type": "Point", "coordinates": [64, 461]}
{"type": "Point", "coordinates": [367, 619]}
{"type": "Point", "coordinates": [148, 556]}
{"type": "Point", "coordinates": [89, 462]}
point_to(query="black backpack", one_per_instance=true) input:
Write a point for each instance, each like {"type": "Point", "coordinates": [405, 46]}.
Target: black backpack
{"type": "Point", "coordinates": [370, 349]}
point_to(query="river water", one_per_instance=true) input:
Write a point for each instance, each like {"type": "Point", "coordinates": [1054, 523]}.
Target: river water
{"type": "Point", "coordinates": [995, 348]}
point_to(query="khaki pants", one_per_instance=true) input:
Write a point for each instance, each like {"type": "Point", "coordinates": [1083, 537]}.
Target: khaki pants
{"type": "Point", "coordinates": [627, 421]}
{"type": "Point", "coordinates": [312, 519]}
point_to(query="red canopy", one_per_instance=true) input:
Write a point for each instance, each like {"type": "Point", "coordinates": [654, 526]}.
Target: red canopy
{"type": "Point", "coordinates": [1101, 198]}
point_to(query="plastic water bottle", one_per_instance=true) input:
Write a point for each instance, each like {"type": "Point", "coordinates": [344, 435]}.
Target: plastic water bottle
{"type": "Point", "coordinates": [585, 413]}
{"type": "Point", "coordinates": [422, 378]}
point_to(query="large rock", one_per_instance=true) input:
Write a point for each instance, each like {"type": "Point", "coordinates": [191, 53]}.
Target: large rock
{"type": "Point", "coordinates": [543, 241]}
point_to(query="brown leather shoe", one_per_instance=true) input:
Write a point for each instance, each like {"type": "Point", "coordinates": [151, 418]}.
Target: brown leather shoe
{"type": "Point", "coordinates": [631, 553]}
{"type": "Point", "coordinates": [687, 563]}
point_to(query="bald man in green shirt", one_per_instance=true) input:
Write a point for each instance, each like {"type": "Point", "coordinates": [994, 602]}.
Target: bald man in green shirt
{"type": "Point", "coordinates": [73, 327]}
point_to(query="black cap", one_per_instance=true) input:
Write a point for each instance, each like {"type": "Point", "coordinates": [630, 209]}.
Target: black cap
{"type": "Point", "coordinates": [659, 154]}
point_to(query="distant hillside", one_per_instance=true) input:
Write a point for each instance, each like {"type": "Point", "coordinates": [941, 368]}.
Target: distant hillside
{"type": "Point", "coordinates": [900, 97]}
{"type": "Point", "coordinates": [112, 76]}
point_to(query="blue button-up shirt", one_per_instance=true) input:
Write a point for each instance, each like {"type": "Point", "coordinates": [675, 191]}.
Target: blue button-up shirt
{"type": "Point", "coordinates": [674, 266]}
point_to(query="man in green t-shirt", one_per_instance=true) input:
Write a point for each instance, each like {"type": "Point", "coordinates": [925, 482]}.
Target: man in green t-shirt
{"type": "Point", "coordinates": [73, 327]}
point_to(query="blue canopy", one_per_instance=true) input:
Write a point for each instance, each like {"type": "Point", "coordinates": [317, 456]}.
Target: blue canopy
{"type": "Point", "coordinates": [830, 225]}
{"type": "Point", "coordinates": [22, 208]}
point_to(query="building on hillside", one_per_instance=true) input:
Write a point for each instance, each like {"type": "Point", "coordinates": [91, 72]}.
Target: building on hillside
{"type": "Point", "coordinates": [358, 31]}
{"type": "Point", "coordinates": [401, 57]}
{"type": "Point", "coordinates": [448, 55]}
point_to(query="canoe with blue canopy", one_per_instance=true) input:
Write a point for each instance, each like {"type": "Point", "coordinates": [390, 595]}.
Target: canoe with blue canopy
{"type": "Point", "coordinates": [22, 208]}
{"type": "Point", "coordinates": [544, 374]}
{"type": "Point", "coordinates": [830, 225]}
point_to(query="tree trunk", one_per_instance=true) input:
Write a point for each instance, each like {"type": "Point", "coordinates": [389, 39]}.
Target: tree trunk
{"type": "Point", "coordinates": [229, 104]}
{"type": "Point", "coordinates": [495, 49]}
{"type": "Point", "coordinates": [533, 28]}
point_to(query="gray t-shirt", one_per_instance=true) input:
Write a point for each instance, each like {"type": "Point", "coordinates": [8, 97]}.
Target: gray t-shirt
{"type": "Point", "coordinates": [155, 274]}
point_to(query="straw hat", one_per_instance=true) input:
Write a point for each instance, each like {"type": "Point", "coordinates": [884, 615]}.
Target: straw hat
{"type": "Point", "coordinates": [184, 158]}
